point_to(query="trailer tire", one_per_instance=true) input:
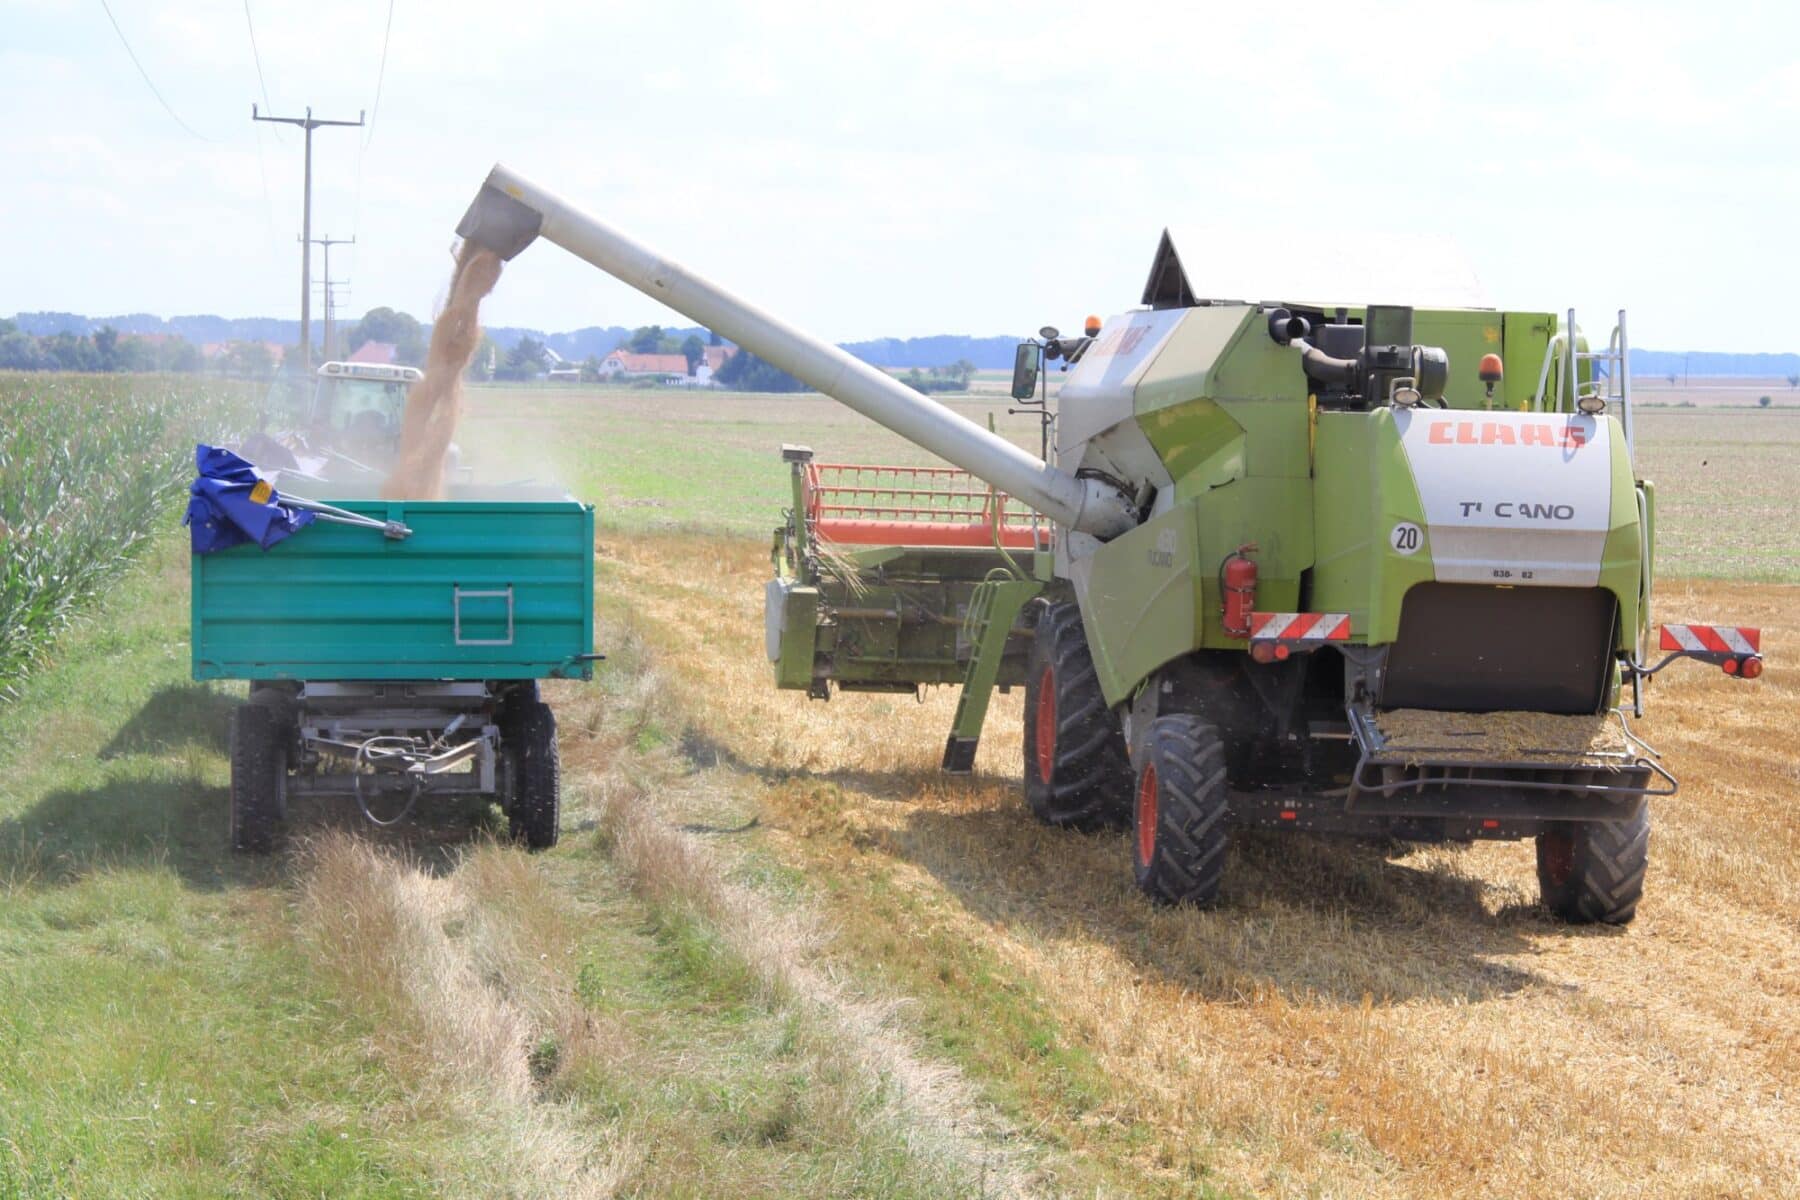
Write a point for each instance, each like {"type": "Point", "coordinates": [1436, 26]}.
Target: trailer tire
{"type": "Point", "coordinates": [1077, 771]}
{"type": "Point", "coordinates": [1592, 872]}
{"type": "Point", "coordinates": [1180, 812]}
{"type": "Point", "coordinates": [528, 739]}
{"type": "Point", "coordinates": [258, 776]}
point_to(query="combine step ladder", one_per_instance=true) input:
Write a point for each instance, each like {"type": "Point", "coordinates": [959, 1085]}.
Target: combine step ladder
{"type": "Point", "coordinates": [995, 605]}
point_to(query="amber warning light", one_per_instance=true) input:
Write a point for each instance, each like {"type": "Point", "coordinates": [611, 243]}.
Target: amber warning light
{"type": "Point", "coordinates": [1093, 326]}
{"type": "Point", "coordinates": [1491, 372]}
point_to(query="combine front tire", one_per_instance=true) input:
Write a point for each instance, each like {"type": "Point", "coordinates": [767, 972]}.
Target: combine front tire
{"type": "Point", "coordinates": [259, 739]}
{"type": "Point", "coordinates": [528, 738]}
{"type": "Point", "coordinates": [1076, 770]}
{"type": "Point", "coordinates": [1593, 871]}
{"type": "Point", "coordinates": [1178, 828]}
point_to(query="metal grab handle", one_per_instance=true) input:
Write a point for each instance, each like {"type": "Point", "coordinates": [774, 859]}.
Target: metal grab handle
{"type": "Point", "coordinates": [461, 593]}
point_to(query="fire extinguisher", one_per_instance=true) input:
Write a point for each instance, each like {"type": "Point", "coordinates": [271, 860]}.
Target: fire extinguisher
{"type": "Point", "coordinates": [1237, 590]}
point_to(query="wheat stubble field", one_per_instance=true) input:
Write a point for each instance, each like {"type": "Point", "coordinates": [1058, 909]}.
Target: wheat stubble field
{"type": "Point", "coordinates": [778, 954]}
{"type": "Point", "coordinates": [1348, 1022]}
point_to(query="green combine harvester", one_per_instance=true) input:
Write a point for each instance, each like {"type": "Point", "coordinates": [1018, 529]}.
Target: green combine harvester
{"type": "Point", "coordinates": [1296, 563]}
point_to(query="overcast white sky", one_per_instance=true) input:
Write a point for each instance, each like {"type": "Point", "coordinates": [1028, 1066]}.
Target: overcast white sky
{"type": "Point", "coordinates": [917, 168]}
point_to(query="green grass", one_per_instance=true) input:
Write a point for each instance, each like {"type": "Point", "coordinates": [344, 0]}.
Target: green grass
{"type": "Point", "coordinates": [167, 1029]}
{"type": "Point", "coordinates": [1727, 488]}
{"type": "Point", "coordinates": [662, 461]}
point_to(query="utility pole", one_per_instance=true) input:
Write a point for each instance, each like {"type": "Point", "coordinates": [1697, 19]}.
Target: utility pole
{"type": "Point", "coordinates": [308, 123]}
{"type": "Point", "coordinates": [327, 242]}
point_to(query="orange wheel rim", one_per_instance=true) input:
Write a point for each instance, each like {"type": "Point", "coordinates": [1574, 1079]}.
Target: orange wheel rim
{"type": "Point", "coordinates": [1044, 725]}
{"type": "Point", "coordinates": [1146, 815]}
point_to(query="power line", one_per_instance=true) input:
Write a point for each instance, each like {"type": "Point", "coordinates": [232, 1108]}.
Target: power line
{"type": "Point", "coordinates": [256, 57]}
{"type": "Point", "coordinates": [380, 74]}
{"type": "Point", "coordinates": [132, 54]}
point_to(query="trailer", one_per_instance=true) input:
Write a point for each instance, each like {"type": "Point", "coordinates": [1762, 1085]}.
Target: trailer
{"type": "Point", "coordinates": [394, 656]}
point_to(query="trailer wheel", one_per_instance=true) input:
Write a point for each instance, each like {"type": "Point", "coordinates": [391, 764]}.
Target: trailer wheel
{"type": "Point", "coordinates": [1180, 812]}
{"type": "Point", "coordinates": [528, 739]}
{"type": "Point", "coordinates": [258, 777]}
{"type": "Point", "coordinates": [1077, 773]}
{"type": "Point", "coordinates": [1593, 871]}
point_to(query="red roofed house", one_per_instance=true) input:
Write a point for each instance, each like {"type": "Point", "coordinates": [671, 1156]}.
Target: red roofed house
{"type": "Point", "coordinates": [625, 363]}
{"type": "Point", "coordinates": [379, 353]}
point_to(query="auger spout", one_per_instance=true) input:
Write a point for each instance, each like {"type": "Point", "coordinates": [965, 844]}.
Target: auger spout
{"type": "Point", "coordinates": [510, 212]}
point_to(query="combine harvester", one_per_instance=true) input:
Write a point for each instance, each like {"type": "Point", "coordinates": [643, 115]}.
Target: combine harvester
{"type": "Point", "coordinates": [1370, 570]}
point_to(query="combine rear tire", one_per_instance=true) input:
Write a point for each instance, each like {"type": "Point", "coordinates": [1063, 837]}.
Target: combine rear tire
{"type": "Point", "coordinates": [1593, 871]}
{"type": "Point", "coordinates": [1077, 774]}
{"type": "Point", "coordinates": [528, 739]}
{"type": "Point", "coordinates": [259, 739]}
{"type": "Point", "coordinates": [1178, 828]}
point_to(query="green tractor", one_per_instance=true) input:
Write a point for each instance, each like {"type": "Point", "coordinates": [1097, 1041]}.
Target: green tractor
{"type": "Point", "coordinates": [341, 425]}
{"type": "Point", "coordinates": [1363, 569]}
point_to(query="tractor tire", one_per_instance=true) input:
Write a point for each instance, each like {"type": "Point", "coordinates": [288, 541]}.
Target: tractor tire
{"type": "Point", "coordinates": [1077, 772]}
{"type": "Point", "coordinates": [1593, 871]}
{"type": "Point", "coordinates": [528, 741]}
{"type": "Point", "coordinates": [259, 742]}
{"type": "Point", "coordinates": [1181, 811]}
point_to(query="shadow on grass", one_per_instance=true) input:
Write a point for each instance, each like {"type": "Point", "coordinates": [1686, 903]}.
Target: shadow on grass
{"type": "Point", "coordinates": [156, 810]}
{"type": "Point", "coordinates": [175, 716]}
{"type": "Point", "coordinates": [1316, 920]}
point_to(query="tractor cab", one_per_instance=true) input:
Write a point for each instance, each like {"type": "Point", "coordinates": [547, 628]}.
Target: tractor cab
{"type": "Point", "coordinates": [356, 409]}
{"type": "Point", "coordinates": [347, 424]}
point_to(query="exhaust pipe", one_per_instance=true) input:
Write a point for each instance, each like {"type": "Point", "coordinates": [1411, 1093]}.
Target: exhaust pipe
{"type": "Point", "coordinates": [509, 213]}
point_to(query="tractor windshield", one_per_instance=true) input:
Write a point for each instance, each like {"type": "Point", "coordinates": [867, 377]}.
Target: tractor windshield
{"type": "Point", "coordinates": [360, 417]}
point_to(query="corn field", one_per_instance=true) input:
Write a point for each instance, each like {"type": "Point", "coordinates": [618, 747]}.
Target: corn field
{"type": "Point", "coordinates": [90, 467]}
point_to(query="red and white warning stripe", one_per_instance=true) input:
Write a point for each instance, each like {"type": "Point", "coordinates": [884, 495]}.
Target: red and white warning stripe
{"type": "Point", "coordinates": [1299, 627]}
{"type": "Point", "coordinates": [1712, 639]}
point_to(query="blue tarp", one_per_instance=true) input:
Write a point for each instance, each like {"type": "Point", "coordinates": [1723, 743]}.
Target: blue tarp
{"type": "Point", "coordinates": [229, 503]}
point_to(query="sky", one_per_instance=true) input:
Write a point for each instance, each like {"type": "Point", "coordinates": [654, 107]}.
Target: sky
{"type": "Point", "coordinates": [909, 169]}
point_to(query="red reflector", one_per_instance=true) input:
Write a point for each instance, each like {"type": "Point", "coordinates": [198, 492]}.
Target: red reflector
{"type": "Point", "coordinates": [1752, 668]}
{"type": "Point", "coordinates": [1731, 666]}
{"type": "Point", "coordinates": [1288, 814]}
{"type": "Point", "coordinates": [1490, 823]}
{"type": "Point", "coordinates": [1281, 651]}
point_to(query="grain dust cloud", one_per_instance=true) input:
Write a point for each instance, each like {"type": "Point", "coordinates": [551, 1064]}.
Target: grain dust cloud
{"type": "Point", "coordinates": [435, 403]}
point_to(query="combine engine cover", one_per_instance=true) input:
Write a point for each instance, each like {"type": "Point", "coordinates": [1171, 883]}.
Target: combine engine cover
{"type": "Point", "coordinates": [1515, 498]}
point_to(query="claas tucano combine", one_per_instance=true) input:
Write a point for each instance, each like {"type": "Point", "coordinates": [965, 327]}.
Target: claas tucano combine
{"type": "Point", "coordinates": [1293, 562]}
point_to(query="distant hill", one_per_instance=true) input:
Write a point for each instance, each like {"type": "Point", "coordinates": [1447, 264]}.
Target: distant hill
{"type": "Point", "coordinates": [987, 353]}
{"type": "Point", "coordinates": [1711, 364]}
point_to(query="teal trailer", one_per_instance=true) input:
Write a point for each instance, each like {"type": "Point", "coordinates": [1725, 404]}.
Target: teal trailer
{"type": "Point", "coordinates": [397, 658]}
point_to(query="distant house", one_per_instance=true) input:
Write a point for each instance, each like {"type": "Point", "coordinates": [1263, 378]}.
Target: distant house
{"type": "Point", "coordinates": [623, 364]}
{"type": "Point", "coordinates": [382, 354]}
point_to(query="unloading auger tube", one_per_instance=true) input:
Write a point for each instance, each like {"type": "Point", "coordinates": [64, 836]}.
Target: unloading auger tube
{"type": "Point", "coordinates": [509, 213]}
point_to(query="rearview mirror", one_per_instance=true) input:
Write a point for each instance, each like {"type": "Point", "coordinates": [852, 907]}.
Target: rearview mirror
{"type": "Point", "coordinates": [1027, 361]}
